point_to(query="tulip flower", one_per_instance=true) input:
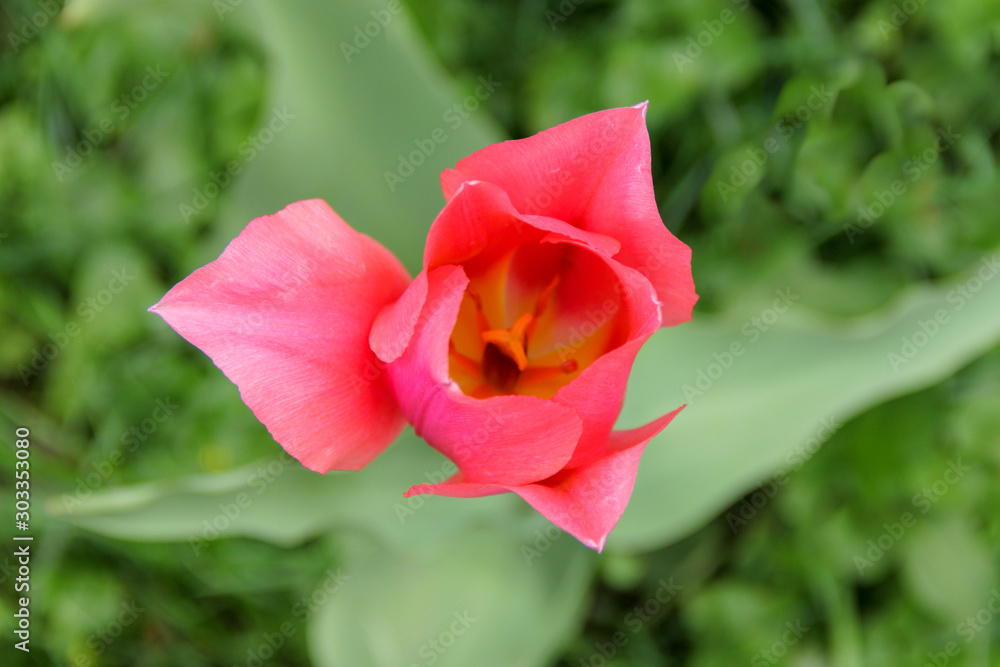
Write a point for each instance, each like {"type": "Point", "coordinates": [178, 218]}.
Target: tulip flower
{"type": "Point", "coordinates": [509, 353]}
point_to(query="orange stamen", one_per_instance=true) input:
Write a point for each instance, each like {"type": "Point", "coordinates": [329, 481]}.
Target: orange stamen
{"type": "Point", "coordinates": [543, 373]}
{"type": "Point", "coordinates": [512, 342]}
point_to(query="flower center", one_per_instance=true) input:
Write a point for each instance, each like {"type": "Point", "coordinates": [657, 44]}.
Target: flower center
{"type": "Point", "coordinates": [532, 319]}
{"type": "Point", "coordinates": [499, 370]}
{"type": "Point", "coordinates": [505, 362]}
{"type": "Point", "coordinates": [511, 343]}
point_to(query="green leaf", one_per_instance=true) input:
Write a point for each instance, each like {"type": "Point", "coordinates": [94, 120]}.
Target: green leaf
{"type": "Point", "coordinates": [354, 121]}
{"type": "Point", "coordinates": [948, 569]}
{"type": "Point", "coordinates": [792, 380]}
{"type": "Point", "coordinates": [355, 97]}
{"type": "Point", "coordinates": [455, 601]}
{"type": "Point", "coordinates": [278, 500]}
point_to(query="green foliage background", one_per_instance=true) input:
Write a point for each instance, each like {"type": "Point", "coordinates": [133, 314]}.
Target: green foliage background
{"type": "Point", "coordinates": [743, 544]}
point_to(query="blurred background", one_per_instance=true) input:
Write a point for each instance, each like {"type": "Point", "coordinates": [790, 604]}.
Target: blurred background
{"type": "Point", "coordinates": [829, 496]}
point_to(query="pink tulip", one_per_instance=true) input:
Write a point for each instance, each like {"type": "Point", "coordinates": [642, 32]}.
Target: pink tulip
{"type": "Point", "coordinates": [509, 353]}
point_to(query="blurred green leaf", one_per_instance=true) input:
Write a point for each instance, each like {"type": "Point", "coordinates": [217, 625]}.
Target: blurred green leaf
{"type": "Point", "coordinates": [948, 569]}
{"type": "Point", "coordinates": [278, 500]}
{"type": "Point", "coordinates": [754, 412]}
{"type": "Point", "coordinates": [348, 131]}
{"type": "Point", "coordinates": [472, 598]}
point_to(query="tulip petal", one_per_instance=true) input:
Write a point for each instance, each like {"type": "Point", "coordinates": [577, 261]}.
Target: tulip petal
{"type": "Point", "coordinates": [285, 312]}
{"type": "Point", "coordinates": [503, 439]}
{"type": "Point", "coordinates": [597, 394]}
{"type": "Point", "coordinates": [594, 173]}
{"type": "Point", "coordinates": [586, 502]}
{"type": "Point", "coordinates": [394, 325]}
{"type": "Point", "coordinates": [480, 216]}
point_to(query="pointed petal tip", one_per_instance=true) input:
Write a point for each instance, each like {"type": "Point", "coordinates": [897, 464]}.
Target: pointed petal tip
{"type": "Point", "coordinates": [327, 283]}
{"type": "Point", "coordinates": [642, 106]}
{"type": "Point", "coordinates": [470, 183]}
{"type": "Point", "coordinates": [415, 490]}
